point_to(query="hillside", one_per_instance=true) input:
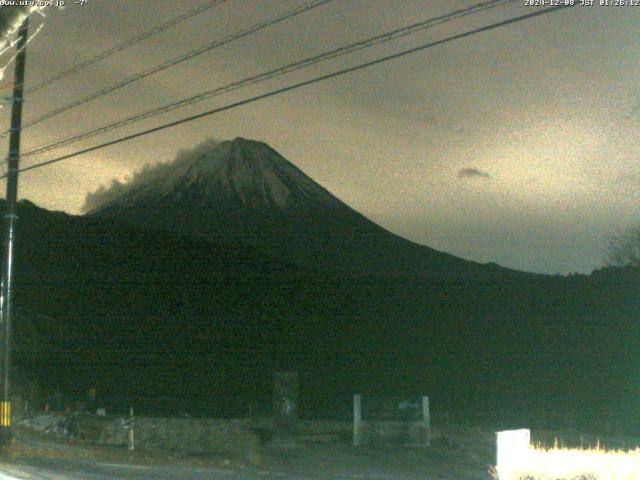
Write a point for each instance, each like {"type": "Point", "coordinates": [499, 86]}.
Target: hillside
{"type": "Point", "coordinates": [169, 324]}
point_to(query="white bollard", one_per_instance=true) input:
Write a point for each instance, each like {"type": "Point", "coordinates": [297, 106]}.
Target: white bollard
{"type": "Point", "coordinates": [426, 420]}
{"type": "Point", "coordinates": [131, 439]}
{"type": "Point", "coordinates": [357, 419]}
{"type": "Point", "coordinates": [511, 447]}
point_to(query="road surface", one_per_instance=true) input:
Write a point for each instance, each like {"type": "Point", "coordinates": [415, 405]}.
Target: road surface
{"type": "Point", "coordinates": [66, 470]}
{"type": "Point", "coordinates": [43, 459]}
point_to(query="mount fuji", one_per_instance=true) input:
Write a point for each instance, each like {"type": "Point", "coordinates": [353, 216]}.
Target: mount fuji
{"type": "Point", "coordinates": [243, 191]}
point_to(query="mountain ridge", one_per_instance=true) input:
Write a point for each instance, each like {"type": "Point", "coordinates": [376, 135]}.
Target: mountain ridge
{"type": "Point", "coordinates": [149, 314]}
{"type": "Point", "coordinates": [244, 190]}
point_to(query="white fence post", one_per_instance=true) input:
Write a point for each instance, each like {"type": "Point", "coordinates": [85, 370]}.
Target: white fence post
{"type": "Point", "coordinates": [131, 438]}
{"type": "Point", "coordinates": [426, 420]}
{"type": "Point", "coordinates": [357, 419]}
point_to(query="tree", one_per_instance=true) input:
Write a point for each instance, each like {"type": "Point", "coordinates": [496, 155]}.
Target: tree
{"type": "Point", "coordinates": [623, 248]}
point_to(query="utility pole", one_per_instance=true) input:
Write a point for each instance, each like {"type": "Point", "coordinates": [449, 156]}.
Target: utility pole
{"type": "Point", "coordinates": [9, 235]}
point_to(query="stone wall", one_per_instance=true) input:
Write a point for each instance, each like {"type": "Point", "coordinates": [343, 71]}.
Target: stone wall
{"type": "Point", "coordinates": [185, 435]}
{"type": "Point", "coordinates": [239, 438]}
{"type": "Point", "coordinates": [392, 432]}
{"type": "Point", "coordinates": [209, 435]}
{"type": "Point", "coordinates": [309, 431]}
{"type": "Point", "coordinates": [224, 437]}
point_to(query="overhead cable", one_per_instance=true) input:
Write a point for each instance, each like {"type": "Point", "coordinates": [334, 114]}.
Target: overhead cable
{"type": "Point", "coordinates": [126, 44]}
{"type": "Point", "coordinates": [175, 61]}
{"type": "Point", "coordinates": [296, 86]}
{"type": "Point", "coordinates": [363, 44]}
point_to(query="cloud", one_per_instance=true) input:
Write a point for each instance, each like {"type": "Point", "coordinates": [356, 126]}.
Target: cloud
{"type": "Point", "coordinates": [105, 194]}
{"type": "Point", "coordinates": [469, 172]}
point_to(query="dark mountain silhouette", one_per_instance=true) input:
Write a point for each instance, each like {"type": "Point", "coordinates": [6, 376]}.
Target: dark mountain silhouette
{"type": "Point", "coordinates": [173, 323]}
{"type": "Point", "coordinates": [170, 316]}
{"type": "Point", "coordinates": [103, 299]}
{"type": "Point", "coordinates": [244, 191]}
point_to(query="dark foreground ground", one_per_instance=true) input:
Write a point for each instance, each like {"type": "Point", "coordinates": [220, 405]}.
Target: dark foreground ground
{"type": "Point", "coordinates": [454, 455]}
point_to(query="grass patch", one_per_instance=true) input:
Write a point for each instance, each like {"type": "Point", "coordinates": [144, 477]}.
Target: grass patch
{"type": "Point", "coordinates": [540, 463]}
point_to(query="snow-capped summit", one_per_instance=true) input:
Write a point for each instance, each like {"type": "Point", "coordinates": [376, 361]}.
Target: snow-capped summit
{"type": "Point", "coordinates": [254, 175]}
{"type": "Point", "coordinates": [237, 173]}
{"type": "Point", "coordinates": [244, 191]}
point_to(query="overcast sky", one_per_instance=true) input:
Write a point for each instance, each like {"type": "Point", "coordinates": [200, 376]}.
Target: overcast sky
{"type": "Point", "coordinates": [517, 145]}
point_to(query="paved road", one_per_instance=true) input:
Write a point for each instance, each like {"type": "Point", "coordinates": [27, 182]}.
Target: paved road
{"type": "Point", "coordinates": [76, 470]}
{"type": "Point", "coordinates": [63, 469]}
{"type": "Point", "coordinates": [38, 459]}
{"type": "Point", "coordinates": [57, 469]}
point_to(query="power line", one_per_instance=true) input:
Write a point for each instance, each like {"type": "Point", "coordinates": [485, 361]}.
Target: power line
{"type": "Point", "coordinates": [182, 58]}
{"type": "Point", "coordinates": [367, 43]}
{"type": "Point", "coordinates": [295, 86]}
{"type": "Point", "coordinates": [126, 44]}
